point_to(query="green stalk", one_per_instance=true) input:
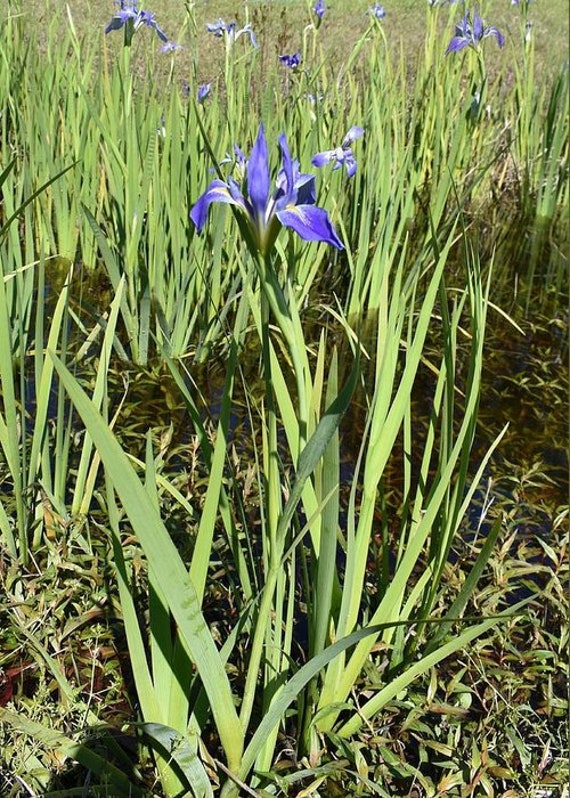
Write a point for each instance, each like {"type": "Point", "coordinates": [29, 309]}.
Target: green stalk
{"type": "Point", "coordinates": [272, 502]}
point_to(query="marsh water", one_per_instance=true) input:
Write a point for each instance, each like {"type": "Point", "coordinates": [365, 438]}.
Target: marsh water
{"type": "Point", "coordinates": [525, 385]}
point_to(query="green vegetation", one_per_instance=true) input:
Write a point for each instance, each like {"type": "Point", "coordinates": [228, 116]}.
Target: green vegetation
{"type": "Point", "coordinates": [265, 528]}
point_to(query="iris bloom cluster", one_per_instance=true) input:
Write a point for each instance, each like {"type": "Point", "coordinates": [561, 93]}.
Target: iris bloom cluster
{"type": "Point", "coordinates": [228, 29]}
{"type": "Point", "coordinates": [471, 34]}
{"type": "Point", "coordinates": [343, 155]}
{"type": "Point", "coordinates": [129, 17]}
{"type": "Point", "coordinates": [291, 203]}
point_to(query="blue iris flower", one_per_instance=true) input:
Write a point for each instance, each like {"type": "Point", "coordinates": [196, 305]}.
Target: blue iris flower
{"type": "Point", "coordinates": [204, 90]}
{"type": "Point", "coordinates": [469, 34]}
{"type": "Point", "coordinates": [221, 28]}
{"type": "Point", "coordinates": [378, 11]}
{"type": "Point", "coordinates": [129, 15]}
{"type": "Point", "coordinates": [342, 155]}
{"type": "Point", "coordinates": [319, 9]}
{"type": "Point", "coordinates": [170, 47]}
{"type": "Point", "coordinates": [291, 61]}
{"type": "Point", "coordinates": [292, 203]}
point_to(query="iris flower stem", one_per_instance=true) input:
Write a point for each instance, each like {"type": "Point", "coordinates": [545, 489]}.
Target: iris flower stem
{"type": "Point", "coordinates": [281, 305]}
{"type": "Point", "coordinates": [272, 464]}
{"type": "Point", "coordinates": [275, 302]}
{"type": "Point", "coordinates": [287, 319]}
{"type": "Point", "coordinates": [272, 502]}
{"type": "Point", "coordinates": [478, 88]}
{"type": "Point", "coordinates": [129, 30]}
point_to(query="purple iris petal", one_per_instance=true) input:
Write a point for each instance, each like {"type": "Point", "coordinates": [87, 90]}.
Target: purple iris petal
{"type": "Point", "coordinates": [258, 177]}
{"type": "Point", "coordinates": [323, 158]}
{"type": "Point", "coordinates": [353, 134]}
{"type": "Point", "coordinates": [477, 27]}
{"type": "Point", "coordinates": [247, 29]}
{"type": "Point", "coordinates": [305, 186]}
{"type": "Point", "coordinates": [116, 23]}
{"type": "Point", "coordinates": [149, 19]}
{"type": "Point", "coordinates": [240, 157]}
{"type": "Point", "coordinates": [310, 223]}
{"type": "Point", "coordinates": [492, 31]}
{"type": "Point", "coordinates": [219, 28]}
{"type": "Point", "coordinates": [304, 189]}
{"type": "Point", "coordinates": [288, 187]}
{"type": "Point", "coordinates": [217, 191]}
{"type": "Point", "coordinates": [350, 164]}
{"type": "Point", "coordinates": [457, 44]}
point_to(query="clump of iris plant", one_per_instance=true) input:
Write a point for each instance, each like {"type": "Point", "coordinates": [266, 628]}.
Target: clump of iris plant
{"type": "Point", "coordinates": [291, 61]}
{"type": "Point", "coordinates": [291, 203]}
{"type": "Point", "coordinates": [471, 34]}
{"type": "Point", "coordinates": [341, 156]}
{"type": "Point", "coordinates": [129, 17]}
